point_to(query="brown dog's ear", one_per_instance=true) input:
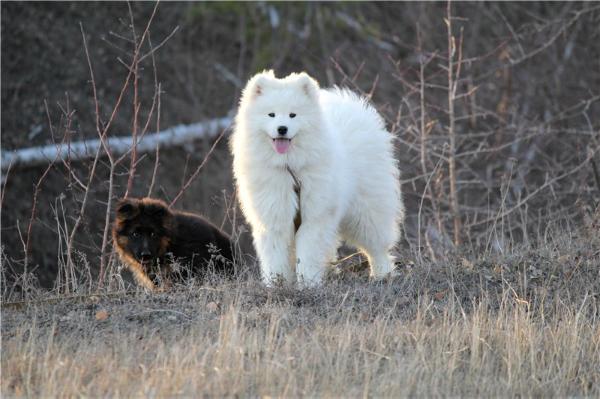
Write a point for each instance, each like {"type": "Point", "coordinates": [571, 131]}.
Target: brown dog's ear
{"type": "Point", "coordinates": [126, 208]}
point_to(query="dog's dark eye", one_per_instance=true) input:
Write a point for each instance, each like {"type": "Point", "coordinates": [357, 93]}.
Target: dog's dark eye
{"type": "Point", "coordinates": [292, 115]}
{"type": "Point", "coordinates": [152, 235]}
{"type": "Point", "coordinates": [272, 115]}
{"type": "Point", "coordinates": [135, 234]}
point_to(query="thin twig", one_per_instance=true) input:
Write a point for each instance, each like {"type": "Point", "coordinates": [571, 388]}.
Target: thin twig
{"type": "Point", "coordinates": [5, 182]}
{"type": "Point", "coordinates": [546, 184]}
{"type": "Point", "coordinates": [36, 191]}
{"type": "Point", "coordinates": [198, 169]}
{"type": "Point", "coordinates": [158, 88]}
{"type": "Point", "coordinates": [136, 106]}
{"type": "Point", "coordinates": [153, 50]}
{"type": "Point", "coordinates": [451, 125]}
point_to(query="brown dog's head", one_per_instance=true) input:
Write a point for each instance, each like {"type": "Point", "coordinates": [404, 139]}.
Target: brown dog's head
{"type": "Point", "coordinates": [142, 229]}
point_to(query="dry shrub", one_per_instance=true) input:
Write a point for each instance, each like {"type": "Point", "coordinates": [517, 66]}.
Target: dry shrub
{"type": "Point", "coordinates": [494, 107]}
{"type": "Point", "coordinates": [497, 294]}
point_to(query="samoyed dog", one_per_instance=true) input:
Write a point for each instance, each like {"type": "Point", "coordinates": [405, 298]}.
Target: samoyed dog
{"type": "Point", "coordinates": [314, 167]}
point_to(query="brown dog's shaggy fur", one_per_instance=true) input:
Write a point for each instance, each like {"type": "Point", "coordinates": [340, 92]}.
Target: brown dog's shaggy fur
{"type": "Point", "coordinates": [153, 240]}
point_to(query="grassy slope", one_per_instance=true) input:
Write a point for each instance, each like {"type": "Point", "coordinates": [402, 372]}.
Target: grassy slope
{"type": "Point", "coordinates": [526, 323]}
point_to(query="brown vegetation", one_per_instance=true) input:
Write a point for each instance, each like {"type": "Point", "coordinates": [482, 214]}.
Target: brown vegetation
{"type": "Point", "coordinates": [523, 324]}
{"type": "Point", "coordinates": [495, 107]}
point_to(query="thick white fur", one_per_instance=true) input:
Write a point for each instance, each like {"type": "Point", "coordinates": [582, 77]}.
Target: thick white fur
{"type": "Point", "coordinates": [342, 155]}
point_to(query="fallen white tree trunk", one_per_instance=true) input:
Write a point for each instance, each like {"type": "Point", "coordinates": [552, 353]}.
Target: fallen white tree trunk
{"type": "Point", "coordinates": [174, 136]}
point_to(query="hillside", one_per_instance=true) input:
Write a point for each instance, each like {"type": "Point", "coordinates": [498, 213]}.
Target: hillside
{"type": "Point", "coordinates": [495, 111]}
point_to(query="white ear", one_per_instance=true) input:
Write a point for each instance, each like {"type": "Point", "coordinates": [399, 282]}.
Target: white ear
{"type": "Point", "coordinates": [309, 85]}
{"type": "Point", "coordinates": [258, 83]}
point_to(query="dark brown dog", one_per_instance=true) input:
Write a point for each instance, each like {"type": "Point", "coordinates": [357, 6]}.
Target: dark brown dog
{"type": "Point", "coordinates": [153, 241]}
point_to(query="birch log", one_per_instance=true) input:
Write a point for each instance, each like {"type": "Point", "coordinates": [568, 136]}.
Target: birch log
{"type": "Point", "coordinates": [174, 136]}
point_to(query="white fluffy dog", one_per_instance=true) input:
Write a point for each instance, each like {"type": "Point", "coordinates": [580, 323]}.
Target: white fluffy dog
{"type": "Point", "coordinates": [322, 155]}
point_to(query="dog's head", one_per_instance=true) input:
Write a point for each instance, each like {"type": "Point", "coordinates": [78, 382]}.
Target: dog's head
{"type": "Point", "coordinates": [281, 108]}
{"type": "Point", "coordinates": [142, 229]}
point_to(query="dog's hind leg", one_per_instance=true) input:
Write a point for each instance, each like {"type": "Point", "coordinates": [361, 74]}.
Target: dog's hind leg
{"type": "Point", "coordinates": [376, 240]}
{"type": "Point", "coordinates": [380, 262]}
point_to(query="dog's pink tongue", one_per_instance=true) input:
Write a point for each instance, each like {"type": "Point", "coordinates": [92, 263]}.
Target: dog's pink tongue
{"type": "Point", "coordinates": [281, 145]}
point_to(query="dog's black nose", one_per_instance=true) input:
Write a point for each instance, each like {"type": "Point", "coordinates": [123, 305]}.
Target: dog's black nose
{"type": "Point", "coordinates": [282, 130]}
{"type": "Point", "coordinates": [145, 255]}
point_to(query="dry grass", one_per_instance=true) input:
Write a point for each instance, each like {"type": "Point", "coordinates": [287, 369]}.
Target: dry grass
{"type": "Point", "coordinates": [481, 168]}
{"type": "Point", "coordinates": [526, 323]}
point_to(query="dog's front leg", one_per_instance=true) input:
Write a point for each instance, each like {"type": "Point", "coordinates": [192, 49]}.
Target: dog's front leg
{"type": "Point", "coordinates": [273, 247]}
{"type": "Point", "coordinates": [271, 209]}
{"type": "Point", "coordinates": [317, 236]}
{"type": "Point", "coordinates": [314, 243]}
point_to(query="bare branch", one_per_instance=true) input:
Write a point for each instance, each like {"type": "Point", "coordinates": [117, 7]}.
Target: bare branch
{"type": "Point", "coordinates": [198, 169]}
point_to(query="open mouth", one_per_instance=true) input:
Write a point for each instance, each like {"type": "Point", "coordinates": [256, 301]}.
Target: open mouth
{"type": "Point", "coordinates": [281, 145]}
